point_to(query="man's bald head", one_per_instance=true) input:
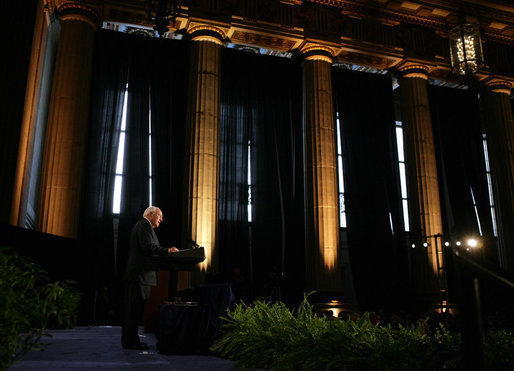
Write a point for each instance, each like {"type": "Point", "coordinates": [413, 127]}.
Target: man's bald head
{"type": "Point", "coordinates": [154, 215]}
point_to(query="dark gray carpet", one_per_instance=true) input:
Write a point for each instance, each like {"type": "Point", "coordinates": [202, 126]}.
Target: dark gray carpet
{"type": "Point", "coordinates": [100, 348]}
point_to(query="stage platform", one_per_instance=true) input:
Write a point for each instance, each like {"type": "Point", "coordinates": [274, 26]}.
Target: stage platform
{"type": "Point", "coordinates": [99, 348]}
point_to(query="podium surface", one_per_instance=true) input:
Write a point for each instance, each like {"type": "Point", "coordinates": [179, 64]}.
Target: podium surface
{"type": "Point", "coordinates": [180, 262]}
{"type": "Point", "coordinates": [183, 260]}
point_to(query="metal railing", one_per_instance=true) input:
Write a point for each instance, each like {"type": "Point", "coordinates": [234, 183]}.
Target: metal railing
{"type": "Point", "coordinates": [466, 272]}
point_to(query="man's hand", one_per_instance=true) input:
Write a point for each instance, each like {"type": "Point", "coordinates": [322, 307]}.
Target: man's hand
{"type": "Point", "coordinates": [172, 249]}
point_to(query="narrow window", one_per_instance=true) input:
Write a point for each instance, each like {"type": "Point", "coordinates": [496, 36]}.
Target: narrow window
{"type": "Point", "coordinates": [490, 186]}
{"type": "Point", "coordinates": [403, 174]}
{"type": "Point", "coordinates": [249, 182]}
{"type": "Point", "coordinates": [476, 211]}
{"type": "Point", "coordinates": [342, 209]}
{"type": "Point", "coordinates": [118, 180]}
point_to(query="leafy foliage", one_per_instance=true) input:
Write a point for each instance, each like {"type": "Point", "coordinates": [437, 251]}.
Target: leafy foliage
{"type": "Point", "coordinates": [270, 336]}
{"type": "Point", "coordinates": [499, 350]}
{"type": "Point", "coordinates": [28, 304]}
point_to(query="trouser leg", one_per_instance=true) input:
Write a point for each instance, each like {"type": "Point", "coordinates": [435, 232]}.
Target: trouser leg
{"type": "Point", "coordinates": [133, 307]}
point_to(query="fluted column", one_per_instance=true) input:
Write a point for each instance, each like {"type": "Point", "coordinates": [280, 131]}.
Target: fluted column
{"type": "Point", "coordinates": [499, 129]}
{"type": "Point", "coordinates": [68, 113]}
{"type": "Point", "coordinates": [28, 126]}
{"type": "Point", "coordinates": [204, 132]}
{"type": "Point", "coordinates": [423, 188]}
{"type": "Point", "coordinates": [323, 264]}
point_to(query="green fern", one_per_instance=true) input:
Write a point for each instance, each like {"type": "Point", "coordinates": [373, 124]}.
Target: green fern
{"type": "Point", "coordinates": [270, 336]}
{"type": "Point", "coordinates": [28, 304]}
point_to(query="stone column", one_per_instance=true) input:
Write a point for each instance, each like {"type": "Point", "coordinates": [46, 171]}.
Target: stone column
{"type": "Point", "coordinates": [66, 128]}
{"type": "Point", "coordinates": [29, 113]}
{"type": "Point", "coordinates": [204, 135]}
{"type": "Point", "coordinates": [323, 265]}
{"type": "Point", "coordinates": [499, 129]}
{"type": "Point", "coordinates": [422, 183]}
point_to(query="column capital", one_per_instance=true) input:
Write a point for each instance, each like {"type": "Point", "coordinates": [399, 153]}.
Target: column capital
{"type": "Point", "coordinates": [206, 32]}
{"type": "Point", "coordinates": [291, 2]}
{"type": "Point", "coordinates": [412, 70]}
{"type": "Point", "coordinates": [499, 86]}
{"type": "Point", "coordinates": [89, 11]}
{"type": "Point", "coordinates": [317, 52]}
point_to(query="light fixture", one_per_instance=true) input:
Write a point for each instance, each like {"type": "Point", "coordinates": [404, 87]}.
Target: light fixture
{"type": "Point", "coordinates": [162, 12]}
{"type": "Point", "coordinates": [472, 242]}
{"type": "Point", "coordinates": [466, 52]}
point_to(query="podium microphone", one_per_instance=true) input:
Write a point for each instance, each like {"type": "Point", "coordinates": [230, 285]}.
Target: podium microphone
{"type": "Point", "coordinates": [192, 242]}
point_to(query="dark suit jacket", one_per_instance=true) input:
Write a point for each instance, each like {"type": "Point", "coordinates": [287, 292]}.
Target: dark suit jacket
{"type": "Point", "coordinates": [141, 267]}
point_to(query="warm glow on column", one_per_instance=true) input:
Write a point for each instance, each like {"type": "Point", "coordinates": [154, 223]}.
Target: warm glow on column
{"type": "Point", "coordinates": [205, 239]}
{"type": "Point", "coordinates": [205, 230]}
{"type": "Point", "coordinates": [65, 141]}
{"type": "Point", "coordinates": [326, 170]}
{"type": "Point", "coordinates": [425, 219]}
{"type": "Point", "coordinates": [433, 257]}
{"type": "Point", "coordinates": [328, 241]}
{"type": "Point", "coordinates": [323, 267]}
{"type": "Point", "coordinates": [204, 151]}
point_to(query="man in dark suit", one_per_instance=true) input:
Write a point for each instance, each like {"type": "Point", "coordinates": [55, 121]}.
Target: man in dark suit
{"type": "Point", "coordinates": [140, 274]}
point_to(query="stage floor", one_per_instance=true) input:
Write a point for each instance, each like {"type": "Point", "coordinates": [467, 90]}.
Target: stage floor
{"type": "Point", "coordinates": [89, 348]}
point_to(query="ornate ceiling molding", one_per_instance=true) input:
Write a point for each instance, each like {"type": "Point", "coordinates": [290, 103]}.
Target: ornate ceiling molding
{"type": "Point", "coordinates": [206, 32]}
{"type": "Point", "coordinates": [316, 52]}
{"type": "Point", "coordinates": [503, 39]}
{"type": "Point", "coordinates": [437, 15]}
{"type": "Point", "coordinates": [413, 70]}
{"type": "Point", "coordinates": [389, 15]}
{"type": "Point", "coordinates": [88, 11]}
{"type": "Point", "coordinates": [274, 42]}
{"type": "Point", "coordinates": [367, 59]}
{"type": "Point", "coordinates": [498, 85]}
{"type": "Point", "coordinates": [373, 34]}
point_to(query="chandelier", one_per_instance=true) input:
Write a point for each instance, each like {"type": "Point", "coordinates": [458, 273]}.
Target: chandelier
{"type": "Point", "coordinates": [466, 49]}
{"type": "Point", "coordinates": [162, 12]}
{"type": "Point", "coordinates": [466, 52]}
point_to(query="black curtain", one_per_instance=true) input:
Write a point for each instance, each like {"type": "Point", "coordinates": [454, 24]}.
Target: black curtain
{"type": "Point", "coordinates": [460, 162]}
{"type": "Point", "coordinates": [110, 72]}
{"type": "Point", "coordinates": [278, 237]}
{"type": "Point", "coordinates": [135, 188]}
{"type": "Point", "coordinates": [261, 102]}
{"type": "Point", "coordinates": [372, 192]}
{"type": "Point", "coordinates": [155, 71]}
{"type": "Point", "coordinates": [156, 80]}
{"type": "Point", "coordinates": [168, 84]}
{"type": "Point", "coordinates": [236, 117]}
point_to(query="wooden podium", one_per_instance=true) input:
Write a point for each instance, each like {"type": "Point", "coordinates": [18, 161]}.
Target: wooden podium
{"type": "Point", "coordinates": [182, 262]}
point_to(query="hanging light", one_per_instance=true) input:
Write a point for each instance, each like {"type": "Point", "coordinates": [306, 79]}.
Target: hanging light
{"type": "Point", "coordinates": [466, 52]}
{"type": "Point", "coordinates": [161, 13]}
{"type": "Point", "coordinates": [466, 49]}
